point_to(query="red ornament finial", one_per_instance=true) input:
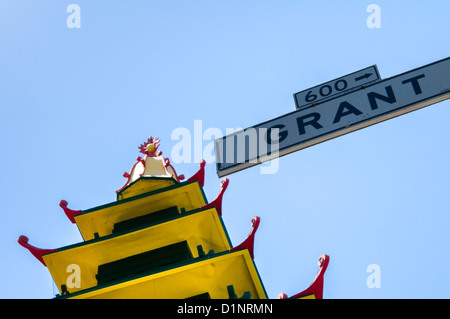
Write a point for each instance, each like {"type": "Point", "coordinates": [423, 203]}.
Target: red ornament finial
{"type": "Point", "coordinates": [69, 212]}
{"type": "Point", "coordinates": [37, 252]}
{"type": "Point", "coordinates": [200, 175]}
{"type": "Point", "coordinates": [150, 148]}
{"type": "Point", "coordinates": [316, 286]}
{"type": "Point", "coordinates": [249, 241]}
{"type": "Point", "coordinates": [217, 202]}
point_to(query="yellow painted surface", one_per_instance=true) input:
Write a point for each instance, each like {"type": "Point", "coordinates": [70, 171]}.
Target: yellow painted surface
{"type": "Point", "coordinates": [148, 178]}
{"type": "Point", "coordinates": [143, 185]}
{"type": "Point", "coordinates": [211, 275]}
{"type": "Point", "coordinates": [202, 228]}
{"type": "Point", "coordinates": [101, 219]}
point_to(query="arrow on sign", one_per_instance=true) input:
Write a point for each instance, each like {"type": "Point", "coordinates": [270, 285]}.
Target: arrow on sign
{"type": "Point", "coordinates": [331, 89]}
{"type": "Point", "coordinates": [365, 76]}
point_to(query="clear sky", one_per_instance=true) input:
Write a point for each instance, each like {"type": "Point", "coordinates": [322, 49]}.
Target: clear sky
{"type": "Point", "coordinates": [77, 102]}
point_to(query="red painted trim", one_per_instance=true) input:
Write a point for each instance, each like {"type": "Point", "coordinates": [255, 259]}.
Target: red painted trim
{"type": "Point", "coordinates": [69, 212]}
{"type": "Point", "coordinates": [200, 175]}
{"type": "Point", "coordinates": [316, 287]}
{"type": "Point", "coordinates": [217, 202]}
{"type": "Point", "coordinates": [250, 240]}
{"type": "Point", "coordinates": [37, 252]}
{"type": "Point", "coordinates": [128, 175]}
{"type": "Point", "coordinates": [167, 164]}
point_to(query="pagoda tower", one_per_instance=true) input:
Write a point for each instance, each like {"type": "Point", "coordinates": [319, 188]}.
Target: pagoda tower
{"type": "Point", "coordinates": [161, 239]}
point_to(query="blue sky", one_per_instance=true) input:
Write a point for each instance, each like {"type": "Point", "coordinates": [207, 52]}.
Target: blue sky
{"type": "Point", "coordinates": [77, 103]}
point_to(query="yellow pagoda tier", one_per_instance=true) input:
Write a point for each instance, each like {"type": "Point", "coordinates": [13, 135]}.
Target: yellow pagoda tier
{"type": "Point", "coordinates": [161, 239]}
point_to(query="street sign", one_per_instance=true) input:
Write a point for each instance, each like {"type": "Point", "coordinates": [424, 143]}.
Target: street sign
{"type": "Point", "coordinates": [358, 109]}
{"type": "Point", "coordinates": [336, 87]}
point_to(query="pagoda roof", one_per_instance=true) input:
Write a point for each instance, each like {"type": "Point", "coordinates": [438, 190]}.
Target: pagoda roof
{"type": "Point", "coordinates": [220, 276]}
{"type": "Point", "coordinates": [160, 239]}
{"type": "Point", "coordinates": [100, 220]}
{"type": "Point", "coordinates": [200, 227]}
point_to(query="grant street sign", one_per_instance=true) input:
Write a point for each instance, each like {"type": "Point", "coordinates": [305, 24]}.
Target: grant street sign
{"type": "Point", "coordinates": [346, 113]}
{"type": "Point", "coordinates": [336, 87]}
